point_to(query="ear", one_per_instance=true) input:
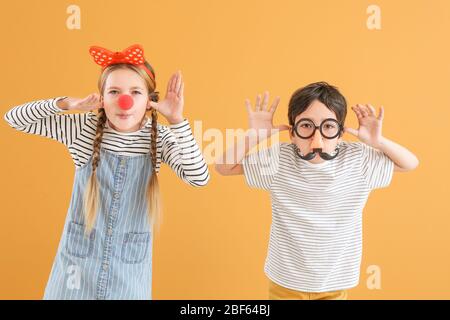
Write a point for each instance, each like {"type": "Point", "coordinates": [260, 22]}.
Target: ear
{"type": "Point", "coordinates": [291, 135]}
{"type": "Point", "coordinates": [342, 133]}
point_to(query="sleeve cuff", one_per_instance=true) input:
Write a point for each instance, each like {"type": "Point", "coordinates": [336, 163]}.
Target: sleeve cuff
{"type": "Point", "coordinates": [53, 105]}
{"type": "Point", "coordinates": [246, 169]}
{"type": "Point", "coordinates": [182, 130]}
{"type": "Point", "coordinates": [180, 125]}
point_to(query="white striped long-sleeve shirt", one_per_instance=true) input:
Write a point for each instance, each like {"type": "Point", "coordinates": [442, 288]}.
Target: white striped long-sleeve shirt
{"type": "Point", "coordinates": [176, 145]}
{"type": "Point", "coordinates": [316, 233]}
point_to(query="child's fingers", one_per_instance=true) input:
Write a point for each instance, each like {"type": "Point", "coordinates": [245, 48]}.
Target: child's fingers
{"type": "Point", "coordinates": [381, 114]}
{"type": "Point", "coordinates": [178, 82]}
{"type": "Point", "coordinates": [181, 91]}
{"type": "Point", "coordinates": [358, 107]}
{"type": "Point", "coordinates": [248, 106]}
{"type": "Point", "coordinates": [265, 101]}
{"type": "Point", "coordinates": [274, 105]}
{"type": "Point", "coordinates": [84, 100]}
{"type": "Point", "coordinates": [96, 100]}
{"type": "Point", "coordinates": [93, 99]}
{"type": "Point", "coordinates": [363, 110]}
{"type": "Point", "coordinates": [371, 110]}
{"type": "Point", "coordinates": [93, 102]}
{"type": "Point", "coordinates": [357, 112]}
{"type": "Point", "coordinates": [174, 82]}
{"type": "Point", "coordinates": [258, 102]}
{"type": "Point", "coordinates": [170, 84]}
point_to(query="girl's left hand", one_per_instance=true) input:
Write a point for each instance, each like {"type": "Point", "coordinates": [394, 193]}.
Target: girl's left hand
{"type": "Point", "coordinates": [171, 107]}
{"type": "Point", "coordinates": [370, 125]}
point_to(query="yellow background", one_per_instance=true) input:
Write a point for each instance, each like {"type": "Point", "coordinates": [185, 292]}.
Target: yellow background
{"type": "Point", "coordinates": [213, 241]}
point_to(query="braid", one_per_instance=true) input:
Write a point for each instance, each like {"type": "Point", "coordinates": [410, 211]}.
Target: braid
{"type": "Point", "coordinates": [92, 191]}
{"type": "Point", "coordinates": [154, 137]}
{"type": "Point", "coordinates": [98, 138]}
{"type": "Point", "coordinates": [154, 96]}
{"type": "Point", "coordinates": [153, 198]}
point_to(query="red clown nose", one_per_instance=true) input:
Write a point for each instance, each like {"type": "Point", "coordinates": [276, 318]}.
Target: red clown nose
{"type": "Point", "coordinates": [125, 101]}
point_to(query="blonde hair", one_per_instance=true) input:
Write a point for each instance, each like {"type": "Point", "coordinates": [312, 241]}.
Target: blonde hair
{"type": "Point", "coordinates": [92, 193]}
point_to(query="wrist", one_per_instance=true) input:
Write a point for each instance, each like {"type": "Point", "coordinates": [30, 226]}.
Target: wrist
{"type": "Point", "coordinates": [380, 144]}
{"type": "Point", "coordinates": [175, 121]}
{"type": "Point", "coordinates": [63, 104]}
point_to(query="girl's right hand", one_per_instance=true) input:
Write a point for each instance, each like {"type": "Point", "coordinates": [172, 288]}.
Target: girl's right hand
{"type": "Point", "coordinates": [261, 120]}
{"type": "Point", "coordinates": [91, 102]}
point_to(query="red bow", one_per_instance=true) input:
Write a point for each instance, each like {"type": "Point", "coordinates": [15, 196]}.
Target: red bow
{"type": "Point", "coordinates": [132, 55]}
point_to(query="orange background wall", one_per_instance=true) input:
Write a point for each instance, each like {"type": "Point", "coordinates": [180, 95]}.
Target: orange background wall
{"type": "Point", "coordinates": [213, 241]}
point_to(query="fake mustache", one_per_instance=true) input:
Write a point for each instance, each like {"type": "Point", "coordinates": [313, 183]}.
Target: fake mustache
{"type": "Point", "coordinates": [323, 155]}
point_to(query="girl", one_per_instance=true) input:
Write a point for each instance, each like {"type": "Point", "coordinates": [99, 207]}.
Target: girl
{"type": "Point", "coordinates": [106, 247]}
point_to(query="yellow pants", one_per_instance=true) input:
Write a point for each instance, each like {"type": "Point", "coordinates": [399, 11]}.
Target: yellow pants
{"type": "Point", "coordinates": [277, 292]}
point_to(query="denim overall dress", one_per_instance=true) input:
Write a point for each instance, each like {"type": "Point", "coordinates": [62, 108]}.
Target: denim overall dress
{"type": "Point", "coordinates": [115, 260]}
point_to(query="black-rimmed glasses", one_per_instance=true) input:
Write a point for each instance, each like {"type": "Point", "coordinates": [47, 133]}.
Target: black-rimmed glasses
{"type": "Point", "coordinates": [306, 128]}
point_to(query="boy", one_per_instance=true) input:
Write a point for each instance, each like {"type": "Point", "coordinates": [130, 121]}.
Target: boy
{"type": "Point", "coordinates": [319, 185]}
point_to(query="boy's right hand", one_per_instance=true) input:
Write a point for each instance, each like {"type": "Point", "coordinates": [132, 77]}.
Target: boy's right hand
{"type": "Point", "coordinates": [261, 120]}
{"type": "Point", "coordinates": [91, 102]}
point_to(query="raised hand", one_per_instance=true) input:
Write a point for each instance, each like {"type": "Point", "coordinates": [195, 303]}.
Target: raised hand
{"type": "Point", "coordinates": [171, 107]}
{"type": "Point", "coordinates": [261, 118]}
{"type": "Point", "coordinates": [91, 102]}
{"type": "Point", "coordinates": [370, 125]}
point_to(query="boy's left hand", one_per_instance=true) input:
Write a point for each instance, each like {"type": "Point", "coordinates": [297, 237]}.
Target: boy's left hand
{"type": "Point", "coordinates": [171, 107]}
{"type": "Point", "coordinates": [370, 125]}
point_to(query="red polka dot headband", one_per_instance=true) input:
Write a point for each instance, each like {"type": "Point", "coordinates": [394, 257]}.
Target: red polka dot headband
{"type": "Point", "coordinates": [132, 55]}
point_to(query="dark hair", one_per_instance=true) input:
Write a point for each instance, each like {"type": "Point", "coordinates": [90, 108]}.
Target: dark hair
{"type": "Point", "coordinates": [322, 91]}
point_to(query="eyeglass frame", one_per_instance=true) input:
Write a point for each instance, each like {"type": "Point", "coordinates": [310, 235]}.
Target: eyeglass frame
{"type": "Point", "coordinates": [341, 128]}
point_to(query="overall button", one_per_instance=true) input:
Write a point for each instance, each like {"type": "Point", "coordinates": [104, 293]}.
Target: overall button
{"type": "Point", "coordinates": [122, 162]}
{"type": "Point", "coordinates": [110, 231]}
{"type": "Point", "coordinates": [105, 266]}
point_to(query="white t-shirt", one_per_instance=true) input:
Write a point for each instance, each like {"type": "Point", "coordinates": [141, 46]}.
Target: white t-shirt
{"type": "Point", "coordinates": [316, 233]}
